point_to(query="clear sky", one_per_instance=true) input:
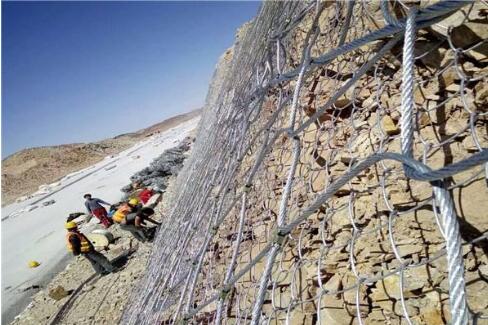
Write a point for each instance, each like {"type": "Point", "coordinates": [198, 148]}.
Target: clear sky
{"type": "Point", "coordinates": [85, 71]}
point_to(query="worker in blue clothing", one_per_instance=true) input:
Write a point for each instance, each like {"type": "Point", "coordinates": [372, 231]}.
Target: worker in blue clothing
{"type": "Point", "coordinates": [94, 207]}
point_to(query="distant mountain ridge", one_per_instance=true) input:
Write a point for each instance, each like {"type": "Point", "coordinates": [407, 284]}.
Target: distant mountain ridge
{"type": "Point", "coordinates": [24, 171]}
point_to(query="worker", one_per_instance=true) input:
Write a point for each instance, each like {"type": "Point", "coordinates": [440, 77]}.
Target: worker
{"type": "Point", "coordinates": [146, 194]}
{"type": "Point", "coordinates": [78, 244]}
{"type": "Point", "coordinates": [131, 216]}
{"type": "Point", "coordinates": [94, 207]}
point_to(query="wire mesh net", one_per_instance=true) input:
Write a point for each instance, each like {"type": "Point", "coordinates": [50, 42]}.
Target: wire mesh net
{"type": "Point", "coordinates": [338, 174]}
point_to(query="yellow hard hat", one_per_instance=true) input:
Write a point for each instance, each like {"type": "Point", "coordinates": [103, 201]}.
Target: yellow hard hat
{"type": "Point", "coordinates": [70, 225]}
{"type": "Point", "coordinates": [33, 264]}
{"type": "Point", "coordinates": [134, 201]}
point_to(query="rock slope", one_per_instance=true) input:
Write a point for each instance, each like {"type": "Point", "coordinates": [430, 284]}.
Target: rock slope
{"type": "Point", "coordinates": [259, 231]}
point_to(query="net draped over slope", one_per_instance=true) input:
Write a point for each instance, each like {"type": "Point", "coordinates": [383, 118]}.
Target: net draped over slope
{"type": "Point", "coordinates": [338, 174]}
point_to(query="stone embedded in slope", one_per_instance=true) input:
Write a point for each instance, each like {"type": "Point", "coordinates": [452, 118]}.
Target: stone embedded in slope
{"type": "Point", "coordinates": [470, 34]}
{"type": "Point", "coordinates": [465, 14]}
{"type": "Point", "coordinates": [342, 102]}
{"type": "Point", "coordinates": [332, 311]}
{"type": "Point", "coordinates": [431, 311]}
{"type": "Point", "coordinates": [389, 126]}
{"type": "Point", "coordinates": [448, 77]}
{"type": "Point", "coordinates": [483, 270]}
{"type": "Point", "coordinates": [388, 288]}
{"type": "Point", "coordinates": [429, 53]}
{"type": "Point", "coordinates": [481, 91]}
{"type": "Point", "coordinates": [469, 145]}
{"type": "Point", "coordinates": [349, 296]}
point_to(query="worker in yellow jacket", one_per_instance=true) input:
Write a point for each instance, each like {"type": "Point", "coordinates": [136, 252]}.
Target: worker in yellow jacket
{"type": "Point", "coordinates": [78, 244]}
{"type": "Point", "coordinates": [131, 216]}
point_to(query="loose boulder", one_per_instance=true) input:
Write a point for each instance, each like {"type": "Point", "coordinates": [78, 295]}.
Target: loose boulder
{"type": "Point", "coordinates": [58, 293]}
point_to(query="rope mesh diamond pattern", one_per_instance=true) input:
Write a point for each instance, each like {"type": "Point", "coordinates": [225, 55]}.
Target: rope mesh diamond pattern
{"type": "Point", "coordinates": [329, 176]}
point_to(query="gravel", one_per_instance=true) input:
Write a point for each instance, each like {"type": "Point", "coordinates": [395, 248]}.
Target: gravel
{"type": "Point", "coordinates": [157, 174]}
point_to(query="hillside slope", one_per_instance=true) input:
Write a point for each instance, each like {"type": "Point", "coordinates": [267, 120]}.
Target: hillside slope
{"type": "Point", "coordinates": [24, 171]}
{"type": "Point", "coordinates": [291, 208]}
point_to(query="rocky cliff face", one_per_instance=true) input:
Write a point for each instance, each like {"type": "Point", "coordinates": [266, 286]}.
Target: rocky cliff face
{"type": "Point", "coordinates": [277, 217]}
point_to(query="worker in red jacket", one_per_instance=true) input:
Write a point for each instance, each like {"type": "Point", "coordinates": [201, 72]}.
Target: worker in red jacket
{"type": "Point", "coordinates": [145, 195]}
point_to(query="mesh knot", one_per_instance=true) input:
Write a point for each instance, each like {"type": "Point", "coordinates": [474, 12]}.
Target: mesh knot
{"type": "Point", "coordinates": [279, 235]}
{"type": "Point", "coordinates": [224, 291]}
{"type": "Point", "coordinates": [246, 188]}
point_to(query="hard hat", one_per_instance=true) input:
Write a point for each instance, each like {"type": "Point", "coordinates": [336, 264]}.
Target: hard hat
{"type": "Point", "coordinates": [70, 225]}
{"type": "Point", "coordinates": [33, 264]}
{"type": "Point", "coordinates": [134, 201]}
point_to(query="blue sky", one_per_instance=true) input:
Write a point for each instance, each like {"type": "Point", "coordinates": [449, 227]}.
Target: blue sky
{"type": "Point", "coordinates": [85, 71]}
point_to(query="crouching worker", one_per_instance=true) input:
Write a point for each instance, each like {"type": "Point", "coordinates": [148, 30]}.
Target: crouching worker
{"type": "Point", "coordinates": [131, 216]}
{"type": "Point", "coordinates": [79, 244]}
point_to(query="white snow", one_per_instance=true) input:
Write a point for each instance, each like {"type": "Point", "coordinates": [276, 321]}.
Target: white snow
{"type": "Point", "coordinates": [31, 231]}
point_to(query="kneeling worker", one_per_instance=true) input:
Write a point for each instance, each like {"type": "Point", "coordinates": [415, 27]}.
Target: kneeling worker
{"type": "Point", "coordinates": [132, 216]}
{"type": "Point", "coordinates": [79, 244]}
